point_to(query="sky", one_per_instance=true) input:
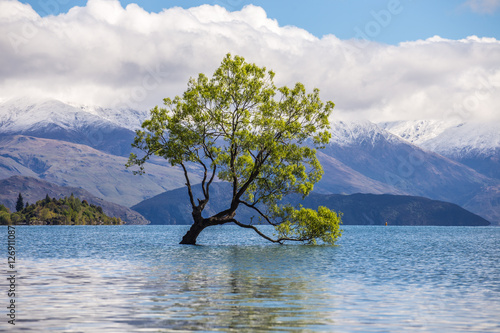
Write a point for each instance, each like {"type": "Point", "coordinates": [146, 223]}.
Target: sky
{"type": "Point", "coordinates": [377, 60]}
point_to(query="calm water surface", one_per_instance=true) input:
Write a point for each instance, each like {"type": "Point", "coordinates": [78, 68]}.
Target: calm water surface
{"type": "Point", "coordinates": [138, 279]}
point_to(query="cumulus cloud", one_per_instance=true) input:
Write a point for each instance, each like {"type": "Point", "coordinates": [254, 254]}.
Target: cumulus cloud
{"type": "Point", "coordinates": [113, 56]}
{"type": "Point", "coordinates": [483, 6]}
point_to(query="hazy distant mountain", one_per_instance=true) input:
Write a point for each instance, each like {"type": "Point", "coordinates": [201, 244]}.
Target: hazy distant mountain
{"type": "Point", "coordinates": [173, 207]}
{"type": "Point", "coordinates": [75, 165]}
{"type": "Point", "coordinates": [33, 189]}
{"type": "Point", "coordinates": [474, 144]}
{"type": "Point", "coordinates": [339, 177]}
{"type": "Point", "coordinates": [429, 158]}
{"type": "Point", "coordinates": [104, 129]}
{"type": "Point", "coordinates": [389, 159]}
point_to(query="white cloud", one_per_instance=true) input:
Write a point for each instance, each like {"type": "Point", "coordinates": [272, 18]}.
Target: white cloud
{"type": "Point", "coordinates": [483, 6]}
{"type": "Point", "coordinates": [109, 55]}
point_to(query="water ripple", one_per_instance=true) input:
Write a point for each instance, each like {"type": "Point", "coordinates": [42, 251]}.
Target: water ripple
{"type": "Point", "coordinates": [137, 279]}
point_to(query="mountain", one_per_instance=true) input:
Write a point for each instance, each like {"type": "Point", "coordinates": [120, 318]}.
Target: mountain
{"type": "Point", "coordinates": [75, 165]}
{"type": "Point", "coordinates": [386, 158]}
{"type": "Point", "coordinates": [475, 144]}
{"type": "Point", "coordinates": [373, 209]}
{"type": "Point", "coordinates": [85, 146]}
{"type": "Point", "coordinates": [104, 129]}
{"type": "Point", "coordinates": [33, 189]}
{"type": "Point", "coordinates": [419, 131]}
{"type": "Point", "coordinates": [339, 177]}
{"type": "Point", "coordinates": [173, 207]}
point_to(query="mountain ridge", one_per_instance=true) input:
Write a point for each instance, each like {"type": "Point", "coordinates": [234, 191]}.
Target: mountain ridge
{"type": "Point", "coordinates": [475, 144]}
{"type": "Point", "coordinates": [362, 157]}
{"type": "Point", "coordinates": [172, 207]}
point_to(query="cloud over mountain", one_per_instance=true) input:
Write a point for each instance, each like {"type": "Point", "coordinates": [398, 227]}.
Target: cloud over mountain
{"type": "Point", "coordinates": [113, 56]}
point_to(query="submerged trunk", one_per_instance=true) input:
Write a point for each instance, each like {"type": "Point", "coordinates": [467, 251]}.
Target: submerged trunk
{"type": "Point", "coordinates": [201, 223]}
{"type": "Point", "coordinates": [197, 227]}
{"type": "Point", "coordinates": [192, 234]}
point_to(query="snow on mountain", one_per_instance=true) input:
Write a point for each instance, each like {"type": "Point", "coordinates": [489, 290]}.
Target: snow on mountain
{"type": "Point", "coordinates": [450, 138]}
{"type": "Point", "coordinates": [109, 130]}
{"type": "Point", "coordinates": [26, 113]}
{"type": "Point", "coordinates": [466, 140]}
{"type": "Point", "coordinates": [124, 117]}
{"type": "Point", "coordinates": [475, 144]}
{"type": "Point", "coordinates": [418, 131]}
{"type": "Point", "coordinates": [361, 132]}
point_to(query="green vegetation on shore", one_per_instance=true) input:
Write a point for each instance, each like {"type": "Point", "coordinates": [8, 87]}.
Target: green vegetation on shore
{"type": "Point", "coordinates": [52, 211]}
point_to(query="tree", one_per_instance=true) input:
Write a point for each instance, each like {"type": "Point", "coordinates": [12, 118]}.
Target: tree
{"type": "Point", "coordinates": [5, 218]}
{"type": "Point", "coordinates": [239, 127]}
{"type": "Point", "coordinates": [4, 215]}
{"type": "Point", "coordinates": [4, 209]}
{"type": "Point", "coordinates": [19, 203]}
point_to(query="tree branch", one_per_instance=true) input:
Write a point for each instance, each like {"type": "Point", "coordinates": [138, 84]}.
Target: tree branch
{"type": "Point", "coordinates": [279, 240]}
{"type": "Point", "coordinates": [256, 230]}
{"type": "Point", "coordinates": [188, 184]}
{"type": "Point", "coordinates": [258, 211]}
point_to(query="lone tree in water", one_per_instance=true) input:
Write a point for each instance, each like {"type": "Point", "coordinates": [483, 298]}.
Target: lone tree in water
{"type": "Point", "coordinates": [240, 128]}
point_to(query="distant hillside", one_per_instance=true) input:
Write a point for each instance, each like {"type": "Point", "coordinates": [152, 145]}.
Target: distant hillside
{"type": "Point", "coordinates": [173, 207]}
{"type": "Point", "coordinates": [33, 189]}
{"type": "Point", "coordinates": [87, 146]}
{"type": "Point", "coordinates": [64, 211]}
{"type": "Point", "coordinates": [376, 209]}
{"type": "Point", "coordinates": [75, 165]}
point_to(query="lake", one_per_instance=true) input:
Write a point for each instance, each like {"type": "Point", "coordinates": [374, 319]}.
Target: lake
{"type": "Point", "coordinates": [138, 279]}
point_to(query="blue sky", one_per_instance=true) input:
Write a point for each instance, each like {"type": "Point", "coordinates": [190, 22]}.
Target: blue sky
{"type": "Point", "coordinates": [409, 19]}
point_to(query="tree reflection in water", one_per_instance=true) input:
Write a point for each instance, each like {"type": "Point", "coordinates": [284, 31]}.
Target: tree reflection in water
{"type": "Point", "coordinates": [242, 289]}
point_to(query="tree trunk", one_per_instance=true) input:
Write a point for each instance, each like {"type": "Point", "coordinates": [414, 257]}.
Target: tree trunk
{"type": "Point", "coordinates": [201, 223]}
{"type": "Point", "coordinates": [192, 234]}
{"type": "Point", "coordinates": [197, 227]}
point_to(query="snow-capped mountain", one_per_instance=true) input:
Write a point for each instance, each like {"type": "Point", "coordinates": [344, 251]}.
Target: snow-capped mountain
{"type": "Point", "coordinates": [362, 157]}
{"type": "Point", "coordinates": [22, 113]}
{"type": "Point", "coordinates": [105, 129]}
{"type": "Point", "coordinates": [418, 131]}
{"type": "Point", "coordinates": [124, 117]}
{"type": "Point", "coordinates": [448, 137]}
{"type": "Point", "coordinates": [361, 132]}
{"type": "Point", "coordinates": [387, 158]}
{"type": "Point", "coordinates": [475, 144]}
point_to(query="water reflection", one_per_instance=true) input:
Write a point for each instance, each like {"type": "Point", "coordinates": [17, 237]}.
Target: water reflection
{"type": "Point", "coordinates": [227, 289]}
{"type": "Point", "coordinates": [238, 289]}
{"type": "Point", "coordinates": [138, 279]}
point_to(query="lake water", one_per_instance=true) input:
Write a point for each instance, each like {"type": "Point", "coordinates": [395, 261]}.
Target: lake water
{"type": "Point", "coordinates": [138, 279]}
